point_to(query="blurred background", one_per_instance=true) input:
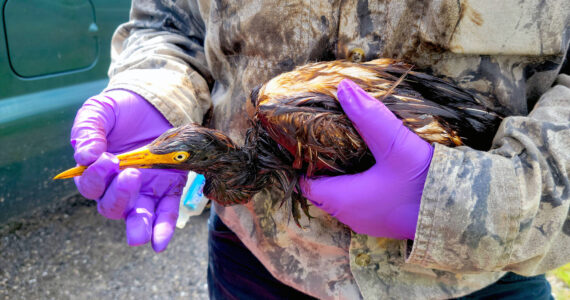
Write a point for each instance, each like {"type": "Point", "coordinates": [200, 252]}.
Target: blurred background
{"type": "Point", "coordinates": [54, 54]}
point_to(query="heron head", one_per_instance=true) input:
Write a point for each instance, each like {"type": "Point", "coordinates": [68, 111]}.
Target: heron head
{"type": "Point", "coordinates": [189, 147]}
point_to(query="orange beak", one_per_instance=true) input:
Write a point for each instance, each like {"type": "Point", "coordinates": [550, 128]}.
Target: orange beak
{"type": "Point", "coordinates": [139, 158]}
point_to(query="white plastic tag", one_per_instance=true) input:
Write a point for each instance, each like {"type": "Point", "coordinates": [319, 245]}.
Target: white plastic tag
{"type": "Point", "coordinates": [193, 201]}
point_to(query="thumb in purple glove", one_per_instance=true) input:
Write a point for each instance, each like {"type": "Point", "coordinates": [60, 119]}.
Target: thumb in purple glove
{"type": "Point", "coordinates": [383, 201]}
{"type": "Point", "coordinates": [118, 121]}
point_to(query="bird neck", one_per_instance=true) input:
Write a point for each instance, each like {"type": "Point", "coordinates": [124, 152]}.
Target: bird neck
{"type": "Point", "coordinates": [232, 177]}
{"type": "Point", "coordinates": [236, 174]}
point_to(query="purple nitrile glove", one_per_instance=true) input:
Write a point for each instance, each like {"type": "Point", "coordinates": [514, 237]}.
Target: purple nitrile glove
{"type": "Point", "coordinates": [148, 199]}
{"type": "Point", "coordinates": [383, 201]}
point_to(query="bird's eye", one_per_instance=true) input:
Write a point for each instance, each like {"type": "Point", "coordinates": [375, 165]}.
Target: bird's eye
{"type": "Point", "coordinates": [180, 156]}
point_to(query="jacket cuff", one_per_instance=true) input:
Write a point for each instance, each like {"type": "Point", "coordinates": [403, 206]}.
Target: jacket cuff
{"type": "Point", "coordinates": [452, 230]}
{"type": "Point", "coordinates": [418, 250]}
{"type": "Point", "coordinates": [180, 99]}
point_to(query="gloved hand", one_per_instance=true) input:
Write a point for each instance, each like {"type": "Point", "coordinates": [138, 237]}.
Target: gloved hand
{"type": "Point", "coordinates": [383, 201]}
{"type": "Point", "coordinates": [148, 199]}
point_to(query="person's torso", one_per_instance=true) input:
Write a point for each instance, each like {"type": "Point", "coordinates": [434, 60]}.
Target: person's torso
{"type": "Point", "coordinates": [507, 52]}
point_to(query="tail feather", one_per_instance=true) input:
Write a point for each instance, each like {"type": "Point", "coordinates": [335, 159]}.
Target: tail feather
{"type": "Point", "coordinates": [450, 103]}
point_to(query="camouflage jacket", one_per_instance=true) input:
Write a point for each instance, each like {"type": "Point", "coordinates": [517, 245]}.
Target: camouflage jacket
{"type": "Point", "coordinates": [482, 213]}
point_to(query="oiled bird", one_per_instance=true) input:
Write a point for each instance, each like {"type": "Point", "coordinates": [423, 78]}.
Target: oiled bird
{"type": "Point", "coordinates": [298, 127]}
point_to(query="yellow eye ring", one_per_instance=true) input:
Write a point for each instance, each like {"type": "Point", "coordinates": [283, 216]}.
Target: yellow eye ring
{"type": "Point", "coordinates": [180, 156]}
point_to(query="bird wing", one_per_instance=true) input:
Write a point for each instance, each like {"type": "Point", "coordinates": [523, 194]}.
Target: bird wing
{"type": "Point", "coordinates": [300, 111]}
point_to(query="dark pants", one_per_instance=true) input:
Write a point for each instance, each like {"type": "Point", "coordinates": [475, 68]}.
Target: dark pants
{"type": "Point", "coordinates": [235, 273]}
{"type": "Point", "coordinates": [515, 287]}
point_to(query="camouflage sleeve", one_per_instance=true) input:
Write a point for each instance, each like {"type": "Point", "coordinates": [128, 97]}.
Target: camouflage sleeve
{"type": "Point", "coordinates": [506, 209]}
{"type": "Point", "coordinates": [159, 54]}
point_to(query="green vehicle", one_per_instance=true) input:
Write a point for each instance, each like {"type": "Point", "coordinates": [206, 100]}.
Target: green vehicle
{"type": "Point", "coordinates": [54, 54]}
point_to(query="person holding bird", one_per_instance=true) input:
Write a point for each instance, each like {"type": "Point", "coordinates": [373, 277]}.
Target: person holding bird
{"type": "Point", "coordinates": [423, 219]}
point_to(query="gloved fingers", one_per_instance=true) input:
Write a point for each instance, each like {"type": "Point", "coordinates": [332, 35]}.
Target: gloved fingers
{"type": "Point", "coordinates": [384, 133]}
{"type": "Point", "coordinates": [97, 176]}
{"type": "Point", "coordinates": [89, 132]}
{"type": "Point", "coordinates": [162, 182]}
{"type": "Point", "coordinates": [337, 194]}
{"type": "Point", "coordinates": [120, 195]}
{"type": "Point", "coordinates": [329, 193]}
{"type": "Point", "coordinates": [374, 121]}
{"type": "Point", "coordinates": [411, 155]}
{"type": "Point", "coordinates": [139, 221]}
{"type": "Point", "coordinates": [133, 111]}
{"type": "Point", "coordinates": [165, 222]}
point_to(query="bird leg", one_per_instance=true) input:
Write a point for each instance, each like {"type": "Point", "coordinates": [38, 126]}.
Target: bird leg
{"type": "Point", "coordinates": [296, 212]}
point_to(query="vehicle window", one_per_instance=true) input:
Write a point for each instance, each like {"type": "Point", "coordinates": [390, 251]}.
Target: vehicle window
{"type": "Point", "coordinates": [50, 36]}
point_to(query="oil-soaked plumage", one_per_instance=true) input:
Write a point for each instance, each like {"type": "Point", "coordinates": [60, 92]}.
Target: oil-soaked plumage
{"type": "Point", "coordinates": [298, 127]}
{"type": "Point", "coordinates": [299, 110]}
{"type": "Point", "coordinates": [230, 171]}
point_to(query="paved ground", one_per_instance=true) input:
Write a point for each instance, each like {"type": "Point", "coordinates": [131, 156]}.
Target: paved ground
{"type": "Point", "coordinates": [70, 252]}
